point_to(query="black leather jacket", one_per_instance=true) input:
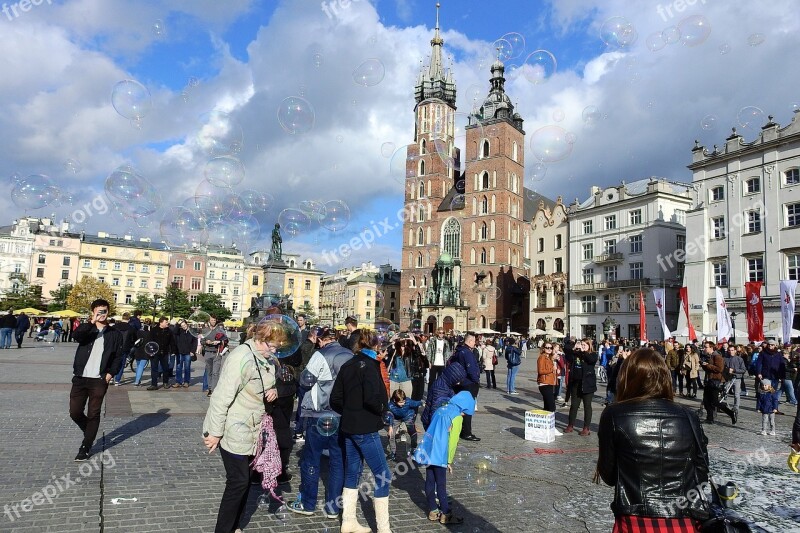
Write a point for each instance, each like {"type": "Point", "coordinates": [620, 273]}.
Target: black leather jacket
{"type": "Point", "coordinates": [649, 452]}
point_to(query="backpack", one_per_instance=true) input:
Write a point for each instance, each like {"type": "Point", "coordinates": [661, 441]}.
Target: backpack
{"type": "Point", "coordinates": [513, 356]}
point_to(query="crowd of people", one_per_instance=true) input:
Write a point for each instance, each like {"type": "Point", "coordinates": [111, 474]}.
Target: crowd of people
{"type": "Point", "coordinates": [359, 393]}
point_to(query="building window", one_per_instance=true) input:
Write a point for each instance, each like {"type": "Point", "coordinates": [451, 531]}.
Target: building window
{"type": "Point", "coordinates": [485, 149]}
{"type": "Point", "coordinates": [540, 245]}
{"type": "Point", "coordinates": [635, 217]}
{"type": "Point", "coordinates": [754, 221]}
{"type": "Point", "coordinates": [588, 304]}
{"type": "Point", "coordinates": [87, 263]}
{"type": "Point", "coordinates": [193, 298]}
{"type": "Point", "coordinates": [483, 256]}
{"type": "Point", "coordinates": [117, 265]}
{"type": "Point", "coordinates": [718, 193]}
{"type": "Point", "coordinates": [291, 283]}
{"type": "Point", "coordinates": [587, 227]}
{"type": "Point", "coordinates": [42, 259]}
{"type": "Point", "coordinates": [680, 242]}
{"type": "Point", "coordinates": [588, 251]}
{"type": "Point", "coordinates": [633, 301]}
{"type": "Point", "coordinates": [103, 250]}
{"type": "Point", "coordinates": [128, 299]}
{"type": "Point", "coordinates": [793, 264]}
{"type": "Point", "coordinates": [611, 222]}
{"type": "Point", "coordinates": [179, 263]}
{"type": "Point", "coordinates": [792, 176]}
{"type": "Point", "coordinates": [39, 272]}
{"type": "Point", "coordinates": [558, 242]}
{"type": "Point", "coordinates": [421, 167]}
{"type": "Point", "coordinates": [101, 279]}
{"type": "Point", "coordinates": [115, 282]}
{"type": "Point", "coordinates": [197, 266]}
{"type": "Point", "coordinates": [196, 283]}
{"type": "Point", "coordinates": [755, 269]}
{"type": "Point", "coordinates": [636, 244]}
{"type": "Point", "coordinates": [611, 273]}
{"type": "Point", "coordinates": [103, 265]}
{"type": "Point", "coordinates": [142, 283]}
{"type": "Point", "coordinates": [223, 290]}
{"type": "Point", "coordinates": [540, 268]}
{"type": "Point", "coordinates": [680, 217]}
{"type": "Point", "coordinates": [721, 274]}
{"type": "Point", "coordinates": [610, 246]}
{"type": "Point", "coordinates": [177, 281]}
{"type": "Point", "coordinates": [558, 265]}
{"type": "Point", "coordinates": [452, 238]}
{"type": "Point", "coordinates": [224, 276]}
{"type": "Point", "coordinates": [718, 224]}
{"type": "Point", "coordinates": [308, 284]}
{"type": "Point", "coordinates": [752, 186]}
{"type": "Point", "coordinates": [131, 267]}
{"type": "Point", "coordinates": [420, 237]}
{"type": "Point", "coordinates": [52, 242]}
{"type": "Point", "coordinates": [588, 275]}
{"type": "Point", "coordinates": [236, 291]}
{"type": "Point", "coordinates": [65, 274]}
{"type": "Point", "coordinates": [637, 270]}
{"type": "Point", "coordinates": [484, 205]}
{"type": "Point", "coordinates": [482, 300]}
{"type": "Point", "coordinates": [145, 269]}
{"type": "Point", "coordinates": [793, 215]}
{"type": "Point", "coordinates": [211, 274]}
{"type": "Point", "coordinates": [421, 214]}
{"type": "Point", "coordinates": [419, 260]}
{"type": "Point", "coordinates": [129, 282]}
{"type": "Point", "coordinates": [159, 284]}
{"type": "Point", "coordinates": [484, 231]}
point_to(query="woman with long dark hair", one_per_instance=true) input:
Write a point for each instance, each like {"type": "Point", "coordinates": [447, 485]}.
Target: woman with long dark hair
{"type": "Point", "coordinates": [652, 451]}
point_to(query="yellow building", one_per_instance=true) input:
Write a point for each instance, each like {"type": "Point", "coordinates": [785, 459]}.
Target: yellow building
{"type": "Point", "coordinates": [225, 274]}
{"type": "Point", "coordinates": [367, 292]}
{"type": "Point", "coordinates": [56, 257]}
{"type": "Point", "coordinates": [302, 283]}
{"type": "Point", "coordinates": [130, 267]}
{"type": "Point", "coordinates": [254, 284]}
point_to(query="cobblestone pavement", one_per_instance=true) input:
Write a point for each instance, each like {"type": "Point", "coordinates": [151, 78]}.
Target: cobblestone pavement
{"type": "Point", "coordinates": [154, 454]}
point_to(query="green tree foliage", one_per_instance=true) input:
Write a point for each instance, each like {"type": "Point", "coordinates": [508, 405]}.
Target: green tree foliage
{"type": "Point", "coordinates": [175, 303]}
{"type": "Point", "coordinates": [213, 305]}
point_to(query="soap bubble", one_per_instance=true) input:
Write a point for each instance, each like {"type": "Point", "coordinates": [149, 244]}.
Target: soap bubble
{"type": "Point", "coordinates": [539, 66]}
{"type": "Point", "coordinates": [158, 29]}
{"type": "Point", "coordinates": [482, 465]}
{"type": "Point", "coordinates": [517, 43]}
{"type": "Point", "coordinates": [224, 171]}
{"type": "Point", "coordinates": [245, 229]}
{"type": "Point", "coordinates": [538, 171]}
{"type": "Point", "coordinates": [219, 134]}
{"type": "Point", "coordinates": [293, 222]}
{"type": "Point", "coordinates": [504, 49]}
{"type": "Point", "coordinates": [558, 115]}
{"type": "Point", "coordinates": [316, 59]}
{"type": "Point", "coordinates": [314, 209]}
{"type": "Point", "coordinates": [337, 216]}
{"type": "Point", "coordinates": [182, 227]}
{"type": "Point", "coordinates": [73, 166]}
{"type": "Point", "coordinates": [694, 30]}
{"type": "Point", "coordinates": [618, 32]}
{"type": "Point", "coordinates": [369, 73]}
{"type": "Point", "coordinates": [131, 99]}
{"type": "Point", "coordinates": [551, 143]}
{"type": "Point", "coordinates": [671, 35]}
{"type": "Point", "coordinates": [756, 39]}
{"type": "Point", "coordinates": [400, 167]}
{"type": "Point", "coordinates": [591, 115]}
{"type": "Point", "coordinates": [254, 202]}
{"type": "Point", "coordinates": [328, 425]}
{"type": "Point", "coordinates": [655, 41]}
{"type": "Point", "coordinates": [457, 202]}
{"type": "Point", "coordinates": [291, 341]}
{"type": "Point", "coordinates": [131, 193]}
{"type": "Point", "coordinates": [213, 202]}
{"type": "Point", "coordinates": [296, 115]}
{"type": "Point", "coordinates": [307, 379]}
{"type": "Point", "coordinates": [750, 116]}
{"type": "Point", "coordinates": [385, 329]}
{"type": "Point", "coordinates": [387, 149]}
{"type": "Point", "coordinates": [481, 483]}
{"type": "Point", "coordinates": [520, 499]}
{"type": "Point", "coordinates": [193, 82]}
{"type": "Point", "coordinates": [285, 374]}
{"type": "Point", "coordinates": [724, 48]}
{"type": "Point", "coordinates": [388, 418]}
{"type": "Point", "coordinates": [34, 192]}
{"type": "Point", "coordinates": [708, 122]}
{"type": "Point", "coordinates": [151, 348]}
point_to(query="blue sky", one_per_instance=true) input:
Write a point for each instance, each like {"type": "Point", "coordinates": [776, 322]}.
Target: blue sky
{"type": "Point", "coordinates": [652, 98]}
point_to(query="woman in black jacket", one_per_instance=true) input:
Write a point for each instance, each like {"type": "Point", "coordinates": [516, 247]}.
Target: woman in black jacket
{"type": "Point", "coordinates": [652, 451]}
{"type": "Point", "coordinates": [581, 384]}
{"type": "Point", "coordinates": [359, 395]}
{"type": "Point", "coordinates": [186, 344]}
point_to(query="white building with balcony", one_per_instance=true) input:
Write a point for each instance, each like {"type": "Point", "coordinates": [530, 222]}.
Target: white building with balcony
{"type": "Point", "coordinates": [744, 224]}
{"type": "Point", "coordinates": [623, 240]}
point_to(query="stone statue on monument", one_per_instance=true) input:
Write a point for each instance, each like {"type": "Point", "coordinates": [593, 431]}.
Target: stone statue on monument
{"type": "Point", "coordinates": [276, 251]}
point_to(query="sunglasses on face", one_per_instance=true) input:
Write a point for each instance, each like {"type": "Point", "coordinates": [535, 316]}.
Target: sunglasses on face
{"type": "Point", "coordinates": [548, 347]}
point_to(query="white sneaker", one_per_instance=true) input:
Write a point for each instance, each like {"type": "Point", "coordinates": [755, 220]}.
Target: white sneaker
{"type": "Point", "coordinates": [772, 433]}
{"type": "Point", "coordinates": [558, 433]}
{"type": "Point", "coordinates": [763, 431]}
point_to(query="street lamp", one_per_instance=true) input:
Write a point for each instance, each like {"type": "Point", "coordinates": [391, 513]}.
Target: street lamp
{"type": "Point", "coordinates": [733, 325]}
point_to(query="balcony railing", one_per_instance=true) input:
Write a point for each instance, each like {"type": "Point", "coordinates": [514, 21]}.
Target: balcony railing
{"type": "Point", "coordinates": [608, 258]}
{"type": "Point", "coordinates": [618, 284]}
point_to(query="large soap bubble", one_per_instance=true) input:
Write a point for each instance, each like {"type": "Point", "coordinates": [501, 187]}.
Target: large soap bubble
{"type": "Point", "coordinates": [618, 32]}
{"type": "Point", "coordinates": [328, 425]}
{"type": "Point", "coordinates": [539, 66]}
{"type": "Point", "coordinates": [694, 30]}
{"type": "Point", "coordinates": [289, 341]}
{"type": "Point", "coordinates": [517, 43]}
{"type": "Point", "coordinates": [551, 143]}
{"type": "Point", "coordinates": [294, 222]}
{"type": "Point", "coordinates": [255, 202]}
{"type": "Point", "coordinates": [224, 171]}
{"type": "Point", "coordinates": [182, 227]}
{"type": "Point", "coordinates": [131, 193]}
{"type": "Point", "coordinates": [34, 192]}
{"type": "Point", "coordinates": [336, 217]}
{"type": "Point", "coordinates": [131, 99]}
{"type": "Point", "coordinates": [369, 73]}
{"type": "Point", "coordinates": [296, 115]}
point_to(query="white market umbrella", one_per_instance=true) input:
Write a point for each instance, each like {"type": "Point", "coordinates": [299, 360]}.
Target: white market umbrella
{"type": "Point", "coordinates": [778, 332]}
{"type": "Point", "coordinates": [538, 332]}
{"type": "Point", "coordinates": [555, 334]}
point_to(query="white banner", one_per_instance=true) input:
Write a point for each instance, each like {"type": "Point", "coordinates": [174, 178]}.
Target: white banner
{"type": "Point", "coordinates": [659, 295]}
{"type": "Point", "coordinates": [724, 328]}
{"type": "Point", "coordinates": [787, 307]}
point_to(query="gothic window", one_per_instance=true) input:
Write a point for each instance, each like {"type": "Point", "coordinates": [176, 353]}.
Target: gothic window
{"type": "Point", "coordinates": [490, 279]}
{"type": "Point", "coordinates": [419, 260]}
{"type": "Point", "coordinates": [421, 214]}
{"type": "Point", "coordinates": [483, 256]}
{"type": "Point", "coordinates": [514, 151]}
{"type": "Point", "coordinates": [413, 281]}
{"type": "Point", "coordinates": [451, 238]}
{"type": "Point", "coordinates": [472, 256]}
{"type": "Point", "coordinates": [421, 189]}
{"type": "Point", "coordinates": [491, 229]}
{"type": "Point", "coordinates": [484, 205]}
{"type": "Point", "coordinates": [421, 168]}
{"type": "Point", "coordinates": [422, 147]}
{"type": "Point", "coordinates": [484, 232]}
{"type": "Point", "coordinates": [485, 180]}
{"type": "Point", "coordinates": [424, 281]}
{"type": "Point", "coordinates": [485, 149]}
{"type": "Point", "coordinates": [491, 254]}
{"type": "Point", "coordinates": [420, 238]}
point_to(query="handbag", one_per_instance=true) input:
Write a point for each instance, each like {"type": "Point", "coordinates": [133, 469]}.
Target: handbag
{"type": "Point", "coordinates": [267, 458]}
{"type": "Point", "coordinates": [193, 357]}
{"type": "Point", "coordinates": [494, 358]}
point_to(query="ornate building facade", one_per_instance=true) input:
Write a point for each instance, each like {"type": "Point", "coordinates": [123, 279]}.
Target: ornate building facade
{"type": "Point", "coordinates": [549, 248]}
{"type": "Point", "coordinates": [464, 265]}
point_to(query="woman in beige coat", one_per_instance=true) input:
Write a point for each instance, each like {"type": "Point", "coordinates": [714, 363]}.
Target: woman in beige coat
{"type": "Point", "coordinates": [691, 369]}
{"type": "Point", "coordinates": [488, 354]}
{"type": "Point", "coordinates": [233, 419]}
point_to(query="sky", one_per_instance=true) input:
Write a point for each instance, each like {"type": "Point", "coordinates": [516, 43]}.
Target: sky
{"type": "Point", "coordinates": [207, 121]}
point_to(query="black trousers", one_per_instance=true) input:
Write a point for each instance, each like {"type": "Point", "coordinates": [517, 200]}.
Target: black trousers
{"type": "Point", "coordinates": [237, 486]}
{"type": "Point", "coordinates": [491, 382]}
{"type": "Point", "coordinates": [548, 397]}
{"type": "Point", "coordinates": [154, 373]}
{"type": "Point", "coordinates": [91, 390]}
{"type": "Point", "coordinates": [418, 387]}
{"type": "Point", "coordinates": [434, 373]}
{"type": "Point", "coordinates": [711, 400]}
{"type": "Point", "coordinates": [575, 398]}
{"type": "Point", "coordinates": [796, 426]}
{"type": "Point", "coordinates": [466, 426]}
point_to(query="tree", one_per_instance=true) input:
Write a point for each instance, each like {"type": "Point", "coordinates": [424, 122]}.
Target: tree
{"type": "Point", "coordinates": [308, 311]}
{"type": "Point", "coordinates": [87, 290]}
{"type": "Point", "coordinates": [176, 303]}
{"type": "Point", "coordinates": [22, 294]}
{"type": "Point", "coordinates": [58, 298]}
{"type": "Point", "coordinates": [213, 305]}
{"type": "Point", "coordinates": [145, 304]}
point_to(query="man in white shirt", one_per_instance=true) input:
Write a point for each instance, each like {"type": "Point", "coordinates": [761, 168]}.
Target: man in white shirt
{"type": "Point", "coordinates": [97, 359]}
{"type": "Point", "coordinates": [439, 352]}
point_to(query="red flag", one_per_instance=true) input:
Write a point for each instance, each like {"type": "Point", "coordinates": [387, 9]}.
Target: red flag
{"type": "Point", "coordinates": [755, 311]}
{"type": "Point", "coordinates": [683, 295]}
{"type": "Point", "coordinates": [642, 319]}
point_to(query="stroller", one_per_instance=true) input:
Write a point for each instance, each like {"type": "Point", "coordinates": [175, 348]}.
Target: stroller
{"type": "Point", "coordinates": [724, 392]}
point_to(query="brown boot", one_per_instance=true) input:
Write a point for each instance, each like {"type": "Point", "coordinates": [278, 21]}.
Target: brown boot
{"type": "Point", "coordinates": [585, 432]}
{"type": "Point", "coordinates": [568, 429]}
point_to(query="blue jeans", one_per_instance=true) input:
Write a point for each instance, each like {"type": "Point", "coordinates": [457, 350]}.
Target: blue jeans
{"type": "Point", "coordinates": [118, 377]}
{"type": "Point", "coordinates": [298, 428]}
{"type": "Point", "coordinates": [139, 370]}
{"type": "Point", "coordinates": [183, 372]}
{"type": "Point", "coordinates": [512, 375]}
{"type": "Point", "coordinates": [5, 337]}
{"type": "Point", "coordinates": [309, 468]}
{"type": "Point", "coordinates": [788, 388]}
{"type": "Point", "coordinates": [360, 448]}
{"type": "Point", "coordinates": [205, 380]}
{"type": "Point", "coordinates": [436, 487]}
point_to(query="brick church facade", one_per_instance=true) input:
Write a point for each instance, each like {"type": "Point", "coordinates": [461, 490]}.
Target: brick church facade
{"type": "Point", "coordinates": [465, 244]}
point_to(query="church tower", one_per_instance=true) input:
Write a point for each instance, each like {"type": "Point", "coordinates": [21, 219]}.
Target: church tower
{"type": "Point", "coordinates": [494, 199]}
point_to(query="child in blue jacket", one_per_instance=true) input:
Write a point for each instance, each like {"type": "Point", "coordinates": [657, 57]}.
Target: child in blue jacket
{"type": "Point", "coordinates": [404, 410]}
{"type": "Point", "coordinates": [767, 404]}
{"type": "Point", "coordinates": [437, 449]}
